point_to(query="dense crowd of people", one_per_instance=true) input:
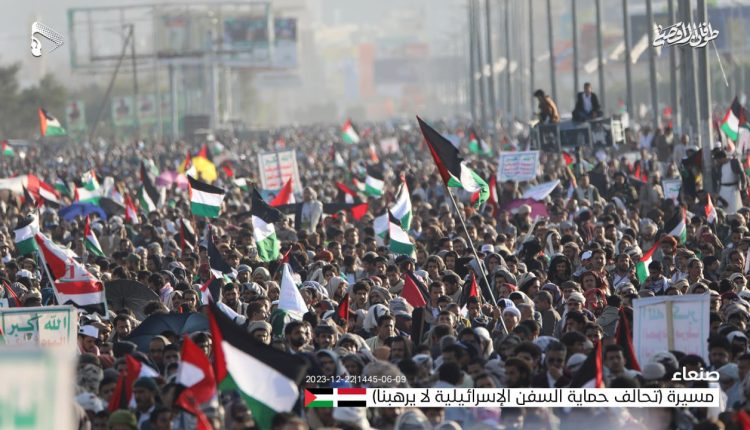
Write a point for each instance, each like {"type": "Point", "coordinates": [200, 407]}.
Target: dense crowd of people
{"type": "Point", "coordinates": [551, 286]}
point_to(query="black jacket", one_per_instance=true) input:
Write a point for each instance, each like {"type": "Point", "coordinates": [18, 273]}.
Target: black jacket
{"type": "Point", "coordinates": [595, 107]}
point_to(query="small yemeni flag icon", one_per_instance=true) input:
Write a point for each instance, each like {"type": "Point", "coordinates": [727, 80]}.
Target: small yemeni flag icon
{"type": "Point", "coordinates": [205, 199]}
{"type": "Point", "coordinates": [348, 133]}
{"type": "Point", "coordinates": [335, 397]}
{"type": "Point", "coordinates": [733, 120]}
{"type": "Point", "coordinates": [641, 268]}
{"type": "Point", "coordinates": [7, 150]}
{"type": "Point", "coordinates": [49, 125]}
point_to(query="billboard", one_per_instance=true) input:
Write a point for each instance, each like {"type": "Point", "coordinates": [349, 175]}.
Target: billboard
{"type": "Point", "coordinates": [285, 42]}
{"type": "Point", "coordinates": [75, 115]}
{"type": "Point", "coordinates": [123, 111]}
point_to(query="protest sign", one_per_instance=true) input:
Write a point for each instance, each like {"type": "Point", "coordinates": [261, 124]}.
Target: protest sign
{"type": "Point", "coordinates": [37, 389]}
{"type": "Point", "coordinates": [44, 325]}
{"type": "Point", "coordinates": [671, 188]}
{"type": "Point", "coordinates": [389, 145]}
{"type": "Point", "coordinates": [669, 323]}
{"type": "Point", "coordinates": [541, 191]}
{"type": "Point", "coordinates": [517, 166]}
{"type": "Point", "coordinates": [275, 168]}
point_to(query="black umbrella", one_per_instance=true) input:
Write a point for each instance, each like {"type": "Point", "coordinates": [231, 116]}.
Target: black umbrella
{"type": "Point", "coordinates": [125, 293]}
{"type": "Point", "coordinates": [158, 323]}
{"type": "Point", "coordinates": [111, 207]}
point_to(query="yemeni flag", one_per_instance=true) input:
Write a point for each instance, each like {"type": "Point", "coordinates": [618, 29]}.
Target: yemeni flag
{"type": "Point", "coordinates": [477, 145]}
{"type": "Point", "coordinates": [711, 214]}
{"type": "Point", "coordinates": [374, 183]}
{"type": "Point", "coordinates": [452, 168]}
{"type": "Point", "coordinates": [677, 226]}
{"type": "Point", "coordinates": [42, 191]}
{"type": "Point", "coordinates": [624, 338]}
{"type": "Point", "coordinates": [414, 291]}
{"type": "Point", "coordinates": [641, 267]}
{"type": "Point", "coordinates": [590, 374]}
{"type": "Point", "coordinates": [131, 212]}
{"type": "Point", "coordinates": [7, 150]}
{"type": "Point", "coordinates": [348, 133]}
{"type": "Point", "coordinates": [148, 196]}
{"type": "Point", "coordinates": [74, 285]}
{"type": "Point", "coordinates": [402, 208]}
{"type": "Point", "coordinates": [335, 397]}
{"type": "Point", "coordinates": [49, 125]}
{"type": "Point", "coordinates": [285, 196]}
{"type": "Point", "coordinates": [195, 372]}
{"type": "Point", "coordinates": [290, 298]}
{"type": "Point", "coordinates": [399, 242]}
{"type": "Point", "coordinates": [733, 120]}
{"type": "Point", "coordinates": [380, 226]}
{"type": "Point", "coordinates": [122, 398]}
{"type": "Point", "coordinates": [25, 231]}
{"type": "Point", "coordinates": [205, 199]}
{"type": "Point", "coordinates": [266, 378]}
{"type": "Point", "coordinates": [264, 232]}
{"type": "Point", "coordinates": [90, 240]}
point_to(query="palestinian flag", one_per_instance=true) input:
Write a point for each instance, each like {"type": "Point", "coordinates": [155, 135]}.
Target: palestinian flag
{"type": "Point", "coordinates": [49, 125]}
{"type": "Point", "coordinates": [677, 226]}
{"type": "Point", "coordinates": [290, 298]}
{"type": "Point", "coordinates": [90, 240]}
{"type": "Point", "coordinates": [624, 338]}
{"type": "Point", "coordinates": [733, 120]}
{"type": "Point", "coordinates": [380, 226]}
{"type": "Point", "coordinates": [266, 378]}
{"type": "Point", "coordinates": [452, 168]}
{"type": "Point", "coordinates": [186, 235]}
{"type": "Point", "coordinates": [335, 397]}
{"type": "Point", "coordinates": [414, 291]}
{"type": "Point", "coordinates": [342, 310]}
{"type": "Point", "coordinates": [568, 158]}
{"type": "Point", "coordinates": [25, 231]}
{"type": "Point", "coordinates": [641, 267]}
{"type": "Point", "coordinates": [374, 183]}
{"type": "Point", "coordinates": [7, 150]}
{"type": "Point", "coordinates": [241, 183]}
{"type": "Point", "coordinates": [399, 242]}
{"type": "Point", "coordinates": [711, 214]}
{"type": "Point", "coordinates": [122, 398]}
{"type": "Point", "coordinates": [187, 401]}
{"type": "Point", "coordinates": [148, 196]}
{"type": "Point", "coordinates": [131, 212]}
{"type": "Point", "coordinates": [348, 133]}
{"type": "Point", "coordinates": [264, 232]}
{"type": "Point", "coordinates": [195, 371]}
{"type": "Point", "coordinates": [346, 194]}
{"type": "Point", "coordinates": [477, 145]}
{"type": "Point", "coordinates": [62, 187]}
{"type": "Point", "coordinates": [74, 285]}
{"type": "Point", "coordinates": [471, 289]}
{"type": "Point", "coordinates": [219, 266]}
{"type": "Point", "coordinates": [205, 199]}
{"type": "Point", "coordinates": [590, 374]}
{"type": "Point", "coordinates": [285, 196]}
{"type": "Point", "coordinates": [402, 208]}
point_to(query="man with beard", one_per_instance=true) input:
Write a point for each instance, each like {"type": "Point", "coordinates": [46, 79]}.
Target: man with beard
{"type": "Point", "coordinates": [298, 335]}
{"type": "Point", "coordinates": [231, 298]}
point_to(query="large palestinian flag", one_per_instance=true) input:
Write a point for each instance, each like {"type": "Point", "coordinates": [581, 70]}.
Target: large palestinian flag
{"type": "Point", "coordinates": [733, 120]}
{"type": "Point", "coordinates": [452, 168]}
{"type": "Point", "coordinates": [205, 199]}
{"type": "Point", "coordinates": [25, 231]}
{"type": "Point", "coordinates": [266, 378]}
{"type": "Point", "coordinates": [90, 240]}
{"type": "Point", "coordinates": [402, 208]}
{"type": "Point", "coordinates": [264, 232]}
{"type": "Point", "coordinates": [148, 196]}
{"type": "Point", "coordinates": [399, 242]}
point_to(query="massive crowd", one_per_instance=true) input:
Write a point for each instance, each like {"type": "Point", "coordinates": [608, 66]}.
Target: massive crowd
{"type": "Point", "coordinates": [551, 287]}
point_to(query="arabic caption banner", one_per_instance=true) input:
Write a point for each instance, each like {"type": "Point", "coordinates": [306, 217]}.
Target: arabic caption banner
{"type": "Point", "coordinates": [276, 168]}
{"type": "Point", "coordinates": [37, 389]}
{"type": "Point", "coordinates": [44, 326]}
{"type": "Point", "coordinates": [669, 323]}
{"type": "Point", "coordinates": [517, 166]}
{"type": "Point", "coordinates": [538, 397]}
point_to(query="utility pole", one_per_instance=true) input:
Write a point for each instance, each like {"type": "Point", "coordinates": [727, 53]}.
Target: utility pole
{"type": "Point", "coordinates": [472, 64]}
{"type": "Point", "coordinates": [706, 104]}
{"type": "Point", "coordinates": [482, 64]}
{"type": "Point", "coordinates": [628, 59]}
{"type": "Point", "coordinates": [574, 21]}
{"type": "Point", "coordinates": [532, 60]}
{"type": "Point", "coordinates": [673, 88]}
{"type": "Point", "coordinates": [552, 77]}
{"type": "Point", "coordinates": [652, 64]}
{"type": "Point", "coordinates": [491, 78]}
{"type": "Point", "coordinates": [131, 36]}
{"type": "Point", "coordinates": [508, 58]}
{"type": "Point", "coordinates": [600, 55]}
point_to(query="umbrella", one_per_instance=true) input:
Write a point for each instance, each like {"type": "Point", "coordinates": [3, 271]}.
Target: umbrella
{"type": "Point", "coordinates": [111, 207]}
{"type": "Point", "coordinates": [157, 324]}
{"type": "Point", "coordinates": [170, 177]}
{"type": "Point", "coordinates": [124, 293]}
{"type": "Point", "coordinates": [82, 210]}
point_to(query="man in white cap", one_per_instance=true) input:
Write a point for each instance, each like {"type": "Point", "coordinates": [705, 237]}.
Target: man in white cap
{"type": "Point", "coordinates": [87, 338]}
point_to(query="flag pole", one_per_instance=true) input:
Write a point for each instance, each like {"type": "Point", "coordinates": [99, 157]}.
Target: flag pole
{"type": "Point", "coordinates": [473, 249]}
